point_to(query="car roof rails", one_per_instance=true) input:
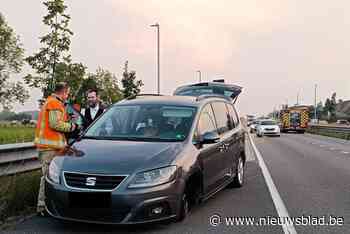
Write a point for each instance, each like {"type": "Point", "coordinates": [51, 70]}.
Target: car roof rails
{"type": "Point", "coordinates": [204, 96]}
{"type": "Point", "coordinates": [144, 95]}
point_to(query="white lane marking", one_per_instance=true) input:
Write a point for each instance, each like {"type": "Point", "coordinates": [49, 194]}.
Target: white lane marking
{"type": "Point", "coordinates": [277, 200]}
{"type": "Point", "coordinates": [322, 146]}
{"type": "Point", "coordinates": [345, 152]}
{"type": "Point", "coordinates": [333, 148]}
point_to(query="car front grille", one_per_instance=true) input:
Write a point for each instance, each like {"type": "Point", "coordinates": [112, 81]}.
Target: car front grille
{"type": "Point", "coordinates": [269, 129]}
{"type": "Point", "coordinates": [92, 181]}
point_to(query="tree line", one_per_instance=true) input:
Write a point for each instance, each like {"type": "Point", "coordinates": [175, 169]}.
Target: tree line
{"type": "Point", "coordinates": [328, 110]}
{"type": "Point", "coordinates": [52, 63]}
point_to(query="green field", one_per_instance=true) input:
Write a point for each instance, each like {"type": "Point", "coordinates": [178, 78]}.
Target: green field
{"type": "Point", "coordinates": [16, 134]}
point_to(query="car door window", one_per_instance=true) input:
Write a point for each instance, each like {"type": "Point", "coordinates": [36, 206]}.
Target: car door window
{"type": "Point", "coordinates": [233, 115]}
{"type": "Point", "coordinates": [222, 117]}
{"type": "Point", "coordinates": [206, 121]}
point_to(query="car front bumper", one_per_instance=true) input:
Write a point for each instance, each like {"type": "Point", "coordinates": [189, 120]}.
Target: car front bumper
{"type": "Point", "coordinates": [131, 206]}
{"type": "Point", "coordinates": [270, 133]}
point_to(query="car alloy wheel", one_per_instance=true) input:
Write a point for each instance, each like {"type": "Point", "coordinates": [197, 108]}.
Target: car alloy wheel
{"type": "Point", "coordinates": [238, 179]}
{"type": "Point", "coordinates": [240, 171]}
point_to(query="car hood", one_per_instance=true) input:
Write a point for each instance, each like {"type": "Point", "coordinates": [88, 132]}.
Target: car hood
{"type": "Point", "coordinates": [118, 157]}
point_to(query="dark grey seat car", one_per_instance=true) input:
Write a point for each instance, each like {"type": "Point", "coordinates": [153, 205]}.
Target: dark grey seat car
{"type": "Point", "coordinates": [150, 158]}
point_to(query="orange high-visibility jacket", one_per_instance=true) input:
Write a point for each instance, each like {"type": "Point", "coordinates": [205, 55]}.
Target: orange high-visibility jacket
{"type": "Point", "coordinates": [46, 137]}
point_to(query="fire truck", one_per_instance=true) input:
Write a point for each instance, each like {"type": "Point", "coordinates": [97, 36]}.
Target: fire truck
{"type": "Point", "coordinates": [294, 118]}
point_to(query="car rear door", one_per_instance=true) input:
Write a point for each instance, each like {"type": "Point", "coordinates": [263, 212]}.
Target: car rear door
{"type": "Point", "coordinates": [238, 136]}
{"type": "Point", "coordinates": [225, 127]}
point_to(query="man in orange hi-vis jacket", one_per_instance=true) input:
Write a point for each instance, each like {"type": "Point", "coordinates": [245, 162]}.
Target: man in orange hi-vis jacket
{"type": "Point", "coordinates": [53, 123]}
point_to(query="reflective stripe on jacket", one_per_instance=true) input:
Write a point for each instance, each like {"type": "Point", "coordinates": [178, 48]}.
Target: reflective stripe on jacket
{"type": "Point", "coordinates": [46, 137]}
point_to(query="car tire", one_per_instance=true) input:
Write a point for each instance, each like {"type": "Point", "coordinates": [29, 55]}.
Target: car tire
{"type": "Point", "coordinates": [238, 180]}
{"type": "Point", "coordinates": [184, 208]}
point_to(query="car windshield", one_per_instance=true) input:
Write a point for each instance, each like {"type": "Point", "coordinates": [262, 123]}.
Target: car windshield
{"type": "Point", "coordinates": [267, 123]}
{"type": "Point", "coordinates": [144, 123]}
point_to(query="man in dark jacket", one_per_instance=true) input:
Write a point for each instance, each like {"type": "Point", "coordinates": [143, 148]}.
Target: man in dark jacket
{"type": "Point", "coordinates": [95, 107]}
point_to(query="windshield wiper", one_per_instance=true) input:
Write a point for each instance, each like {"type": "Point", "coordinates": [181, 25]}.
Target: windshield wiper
{"type": "Point", "coordinates": [150, 139]}
{"type": "Point", "coordinates": [115, 138]}
{"type": "Point", "coordinates": [93, 137]}
{"type": "Point", "coordinates": [129, 138]}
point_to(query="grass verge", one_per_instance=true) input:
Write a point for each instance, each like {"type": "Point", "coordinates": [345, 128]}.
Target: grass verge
{"type": "Point", "coordinates": [18, 194]}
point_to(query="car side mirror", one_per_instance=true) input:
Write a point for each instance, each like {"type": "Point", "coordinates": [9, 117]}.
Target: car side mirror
{"type": "Point", "coordinates": [210, 138]}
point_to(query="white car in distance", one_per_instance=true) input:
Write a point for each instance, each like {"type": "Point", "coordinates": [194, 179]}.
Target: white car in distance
{"type": "Point", "coordinates": [268, 127]}
{"type": "Point", "coordinates": [253, 126]}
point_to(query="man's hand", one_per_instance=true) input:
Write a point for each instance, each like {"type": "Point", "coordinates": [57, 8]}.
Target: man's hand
{"type": "Point", "coordinates": [75, 117]}
{"type": "Point", "coordinates": [74, 126]}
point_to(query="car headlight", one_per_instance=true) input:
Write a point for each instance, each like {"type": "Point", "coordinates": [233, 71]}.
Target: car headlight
{"type": "Point", "coordinates": [54, 170]}
{"type": "Point", "coordinates": [154, 177]}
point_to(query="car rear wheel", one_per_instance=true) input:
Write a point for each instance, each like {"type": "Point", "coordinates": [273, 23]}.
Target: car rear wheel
{"type": "Point", "coordinates": [238, 180]}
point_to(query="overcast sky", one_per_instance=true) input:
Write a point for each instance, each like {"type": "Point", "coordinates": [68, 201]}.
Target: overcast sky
{"type": "Point", "coordinates": [273, 48]}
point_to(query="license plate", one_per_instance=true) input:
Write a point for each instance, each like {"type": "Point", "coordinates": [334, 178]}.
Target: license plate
{"type": "Point", "coordinates": [89, 200]}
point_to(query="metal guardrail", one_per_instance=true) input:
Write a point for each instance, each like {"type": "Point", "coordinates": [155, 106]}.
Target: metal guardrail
{"type": "Point", "coordinates": [18, 158]}
{"type": "Point", "coordinates": [341, 130]}
{"type": "Point", "coordinates": [331, 127]}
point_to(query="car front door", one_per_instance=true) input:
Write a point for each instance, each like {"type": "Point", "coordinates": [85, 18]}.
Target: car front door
{"type": "Point", "coordinates": [210, 154]}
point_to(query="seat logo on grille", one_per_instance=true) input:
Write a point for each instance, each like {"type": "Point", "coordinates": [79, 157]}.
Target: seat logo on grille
{"type": "Point", "coordinates": [90, 181]}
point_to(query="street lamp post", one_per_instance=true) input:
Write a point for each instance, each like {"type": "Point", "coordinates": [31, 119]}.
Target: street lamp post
{"type": "Point", "coordinates": [158, 68]}
{"type": "Point", "coordinates": [200, 76]}
{"type": "Point", "coordinates": [315, 107]}
{"type": "Point", "coordinates": [298, 98]}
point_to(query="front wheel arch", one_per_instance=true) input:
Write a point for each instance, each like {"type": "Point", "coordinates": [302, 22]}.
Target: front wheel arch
{"type": "Point", "coordinates": [191, 194]}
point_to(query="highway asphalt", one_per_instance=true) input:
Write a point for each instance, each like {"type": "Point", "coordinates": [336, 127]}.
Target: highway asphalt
{"type": "Point", "coordinates": [310, 174]}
